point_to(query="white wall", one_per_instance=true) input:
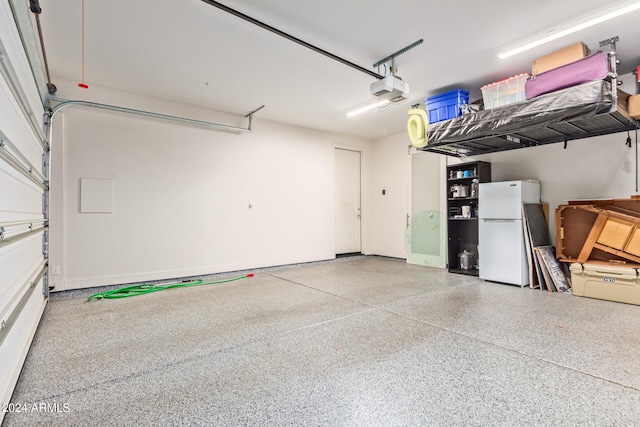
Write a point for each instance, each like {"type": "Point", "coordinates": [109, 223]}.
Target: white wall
{"type": "Point", "coordinates": [598, 167]}
{"type": "Point", "coordinates": [391, 171]}
{"type": "Point", "coordinates": [181, 194]}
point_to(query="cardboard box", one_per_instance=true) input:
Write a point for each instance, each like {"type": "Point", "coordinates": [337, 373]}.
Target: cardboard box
{"type": "Point", "coordinates": [633, 106]}
{"type": "Point", "coordinates": [559, 58]}
{"type": "Point", "coordinates": [612, 283]}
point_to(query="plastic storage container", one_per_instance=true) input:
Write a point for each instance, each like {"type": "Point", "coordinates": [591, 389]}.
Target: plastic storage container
{"type": "Point", "coordinates": [505, 91]}
{"type": "Point", "coordinates": [621, 284]}
{"type": "Point", "coordinates": [446, 105]}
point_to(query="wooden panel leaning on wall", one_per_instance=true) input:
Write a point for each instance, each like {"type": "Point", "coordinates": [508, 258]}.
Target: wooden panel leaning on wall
{"type": "Point", "coordinates": [599, 230]}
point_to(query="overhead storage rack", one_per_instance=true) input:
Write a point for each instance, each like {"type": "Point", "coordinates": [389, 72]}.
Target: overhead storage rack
{"type": "Point", "coordinates": [583, 111]}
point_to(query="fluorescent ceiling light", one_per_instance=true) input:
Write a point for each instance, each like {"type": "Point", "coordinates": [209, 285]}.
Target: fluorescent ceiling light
{"type": "Point", "coordinates": [377, 104]}
{"type": "Point", "coordinates": [571, 27]}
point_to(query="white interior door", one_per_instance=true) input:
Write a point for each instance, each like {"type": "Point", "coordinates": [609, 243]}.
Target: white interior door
{"type": "Point", "coordinates": [23, 227]}
{"type": "Point", "coordinates": [348, 201]}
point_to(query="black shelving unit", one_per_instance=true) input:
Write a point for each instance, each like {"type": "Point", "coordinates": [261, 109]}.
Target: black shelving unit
{"type": "Point", "coordinates": [463, 231]}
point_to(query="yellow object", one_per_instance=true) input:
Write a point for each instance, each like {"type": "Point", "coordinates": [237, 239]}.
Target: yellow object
{"type": "Point", "coordinates": [417, 127]}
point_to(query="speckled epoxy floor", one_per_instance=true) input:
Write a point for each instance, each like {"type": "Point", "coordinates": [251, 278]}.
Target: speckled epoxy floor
{"type": "Point", "coordinates": [364, 341]}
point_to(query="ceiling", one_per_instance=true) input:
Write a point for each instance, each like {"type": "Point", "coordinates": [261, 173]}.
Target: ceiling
{"type": "Point", "coordinates": [191, 52]}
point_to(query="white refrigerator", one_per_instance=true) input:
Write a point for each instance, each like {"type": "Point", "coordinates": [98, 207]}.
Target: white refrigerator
{"type": "Point", "coordinates": [501, 249]}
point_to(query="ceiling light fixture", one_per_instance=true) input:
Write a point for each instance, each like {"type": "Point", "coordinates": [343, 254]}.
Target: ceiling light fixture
{"type": "Point", "coordinates": [571, 27]}
{"type": "Point", "coordinates": [382, 104]}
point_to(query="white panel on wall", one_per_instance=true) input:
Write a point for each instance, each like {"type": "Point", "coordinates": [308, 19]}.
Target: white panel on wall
{"type": "Point", "coordinates": [96, 195]}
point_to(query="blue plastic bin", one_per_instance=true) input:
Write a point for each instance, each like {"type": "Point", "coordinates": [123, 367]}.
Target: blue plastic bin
{"type": "Point", "coordinates": [446, 105]}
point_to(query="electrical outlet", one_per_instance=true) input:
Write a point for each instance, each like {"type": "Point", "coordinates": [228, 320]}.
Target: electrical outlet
{"type": "Point", "coordinates": [55, 270]}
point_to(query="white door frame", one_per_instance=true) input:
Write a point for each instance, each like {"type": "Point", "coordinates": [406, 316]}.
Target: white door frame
{"type": "Point", "coordinates": [348, 220]}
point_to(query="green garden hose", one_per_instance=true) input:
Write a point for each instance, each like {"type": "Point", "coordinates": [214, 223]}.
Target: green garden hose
{"type": "Point", "coordinates": [147, 288]}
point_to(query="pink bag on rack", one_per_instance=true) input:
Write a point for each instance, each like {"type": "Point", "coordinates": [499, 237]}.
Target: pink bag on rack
{"type": "Point", "coordinates": [592, 67]}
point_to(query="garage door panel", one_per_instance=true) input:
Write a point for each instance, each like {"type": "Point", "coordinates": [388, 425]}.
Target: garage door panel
{"type": "Point", "coordinates": [10, 230]}
{"type": "Point", "coordinates": [21, 198]}
{"type": "Point", "coordinates": [12, 307]}
{"type": "Point", "coordinates": [19, 261]}
{"type": "Point", "coordinates": [16, 338]}
{"type": "Point", "coordinates": [11, 43]}
{"type": "Point", "coordinates": [23, 227]}
{"type": "Point", "coordinates": [16, 128]}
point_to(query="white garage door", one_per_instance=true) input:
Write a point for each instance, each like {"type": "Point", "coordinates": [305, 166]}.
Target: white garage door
{"type": "Point", "coordinates": [23, 231]}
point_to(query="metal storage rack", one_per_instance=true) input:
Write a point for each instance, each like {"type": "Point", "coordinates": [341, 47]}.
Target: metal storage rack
{"type": "Point", "coordinates": [600, 124]}
{"type": "Point", "coordinates": [560, 116]}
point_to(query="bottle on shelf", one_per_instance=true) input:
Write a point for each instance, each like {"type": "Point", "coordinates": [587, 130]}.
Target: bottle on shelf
{"type": "Point", "coordinates": [474, 188]}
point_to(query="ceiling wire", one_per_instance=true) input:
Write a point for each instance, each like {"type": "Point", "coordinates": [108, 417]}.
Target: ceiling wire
{"type": "Point", "coordinates": [82, 84]}
{"type": "Point", "coordinates": [290, 37]}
